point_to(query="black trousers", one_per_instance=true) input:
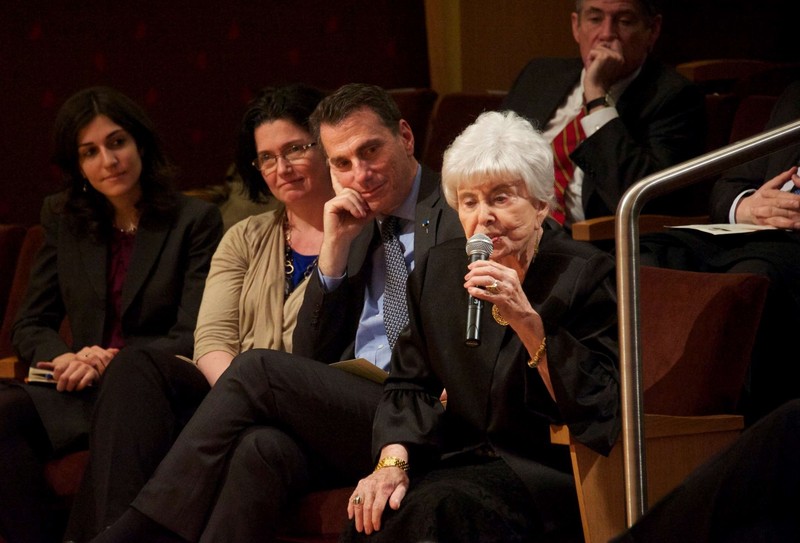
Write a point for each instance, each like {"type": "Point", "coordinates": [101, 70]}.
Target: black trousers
{"type": "Point", "coordinates": [145, 399]}
{"type": "Point", "coordinates": [272, 427]}
{"type": "Point", "coordinates": [749, 493]}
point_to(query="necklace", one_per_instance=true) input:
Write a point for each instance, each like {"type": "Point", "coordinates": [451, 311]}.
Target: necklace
{"type": "Point", "coordinates": [129, 230]}
{"type": "Point", "coordinates": [288, 265]}
{"type": "Point", "coordinates": [496, 315]}
{"type": "Point", "coordinates": [132, 221]}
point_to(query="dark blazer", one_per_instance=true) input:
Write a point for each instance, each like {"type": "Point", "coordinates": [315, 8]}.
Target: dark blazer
{"type": "Point", "coordinates": [493, 396]}
{"type": "Point", "coordinates": [161, 294]}
{"type": "Point", "coordinates": [661, 123]}
{"type": "Point", "coordinates": [753, 174]}
{"type": "Point", "coordinates": [327, 322]}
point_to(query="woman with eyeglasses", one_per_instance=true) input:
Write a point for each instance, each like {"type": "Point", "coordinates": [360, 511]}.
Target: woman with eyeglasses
{"type": "Point", "coordinates": [257, 278]}
{"type": "Point", "coordinates": [258, 273]}
{"type": "Point", "coordinates": [124, 261]}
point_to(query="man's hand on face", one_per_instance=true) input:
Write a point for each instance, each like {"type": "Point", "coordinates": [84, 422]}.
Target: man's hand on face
{"type": "Point", "coordinates": [372, 170]}
{"type": "Point", "coordinates": [344, 217]}
{"type": "Point", "coordinates": [606, 65]}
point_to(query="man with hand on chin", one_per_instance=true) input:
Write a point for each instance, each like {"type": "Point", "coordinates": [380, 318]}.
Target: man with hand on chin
{"type": "Point", "coordinates": [370, 152]}
{"type": "Point", "coordinates": [615, 115]}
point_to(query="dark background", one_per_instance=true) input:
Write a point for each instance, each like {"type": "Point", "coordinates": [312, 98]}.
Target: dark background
{"type": "Point", "coordinates": [194, 65]}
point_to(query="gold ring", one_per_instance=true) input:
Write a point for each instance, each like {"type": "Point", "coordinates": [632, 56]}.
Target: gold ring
{"type": "Point", "coordinates": [492, 289]}
{"type": "Point", "coordinates": [358, 500]}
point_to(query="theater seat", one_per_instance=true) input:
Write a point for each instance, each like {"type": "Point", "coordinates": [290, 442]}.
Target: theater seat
{"type": "Point", "coordinates": [752, 114]}
{"type": "Point", "coordinates": [721, 75]}
{"type": "Point", "coordinates": [34, 236]}
{"type": "Point", "coordinates": [318, 517]}
{"type": "Point", "coordinates": [11, 236]}
{"type": "Point", "coordinates": [416, 106]}
{"type": "Point", "coordinates": [452, 114]}
{"type": "Point", "coordinates": [697, 334]}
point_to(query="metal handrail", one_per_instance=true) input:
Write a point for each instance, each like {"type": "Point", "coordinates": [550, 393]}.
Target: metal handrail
{"type": "Point", "coordinates": [627, 246]}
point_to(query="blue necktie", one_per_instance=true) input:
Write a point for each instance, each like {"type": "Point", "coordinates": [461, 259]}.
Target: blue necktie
{"type": "Point", "coordinates": [395, 310]}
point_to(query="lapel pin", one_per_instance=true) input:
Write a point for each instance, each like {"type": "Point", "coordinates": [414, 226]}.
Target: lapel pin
{"type": "Point", "coordinates": [425, 224]}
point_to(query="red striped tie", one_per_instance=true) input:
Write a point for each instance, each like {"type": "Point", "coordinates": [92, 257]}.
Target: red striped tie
{"type": "Point", "coordinates": [563, 144]}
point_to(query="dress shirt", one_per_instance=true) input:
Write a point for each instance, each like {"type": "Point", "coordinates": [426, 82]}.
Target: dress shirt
{"type": "Point", "coordinates": [591, 124]}
{"type": "Point", "coordinates": [371, 341]}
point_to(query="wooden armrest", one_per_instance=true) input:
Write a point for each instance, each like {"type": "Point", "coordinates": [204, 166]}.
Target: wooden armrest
{"type": "Point", "coordinates": [658, 426]}
{"type": "Point", "coordinates": [12, 367]}
{"type": "Point", "coordinates": [594, 229]}
{"type": "Point", "coordinates": [674, 447]}
{"type": "Point", "coordinates": [603, 228]}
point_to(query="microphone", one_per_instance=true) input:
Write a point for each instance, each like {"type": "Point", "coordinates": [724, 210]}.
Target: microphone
{"type": "Point", "coordinates": [479, 247]}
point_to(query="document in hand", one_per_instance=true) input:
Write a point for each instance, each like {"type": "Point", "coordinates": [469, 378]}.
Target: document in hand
{"type": "Point", "coordinates": [363, 368]}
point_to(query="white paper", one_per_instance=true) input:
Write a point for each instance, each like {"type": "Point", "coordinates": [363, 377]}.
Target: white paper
{"type": "Point", "coordinates": [725, 228]}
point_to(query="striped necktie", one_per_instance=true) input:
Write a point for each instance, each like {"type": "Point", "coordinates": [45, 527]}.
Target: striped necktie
{"type": "Point", "coordinates": [395, 309]}
{"type": "Point", "coordinates": [563, 145]}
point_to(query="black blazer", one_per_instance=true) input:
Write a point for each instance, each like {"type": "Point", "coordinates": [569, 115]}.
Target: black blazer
{"type": "Point", "coordinates": [493, 396]}
{"type": "Point", "coordinates": [753, 174]}
{"type": "Point", "coordinates": [661, 123]}
{"type": "Point", "coordinates": [327, 322]}
{"type": "Point", "coordinates": [161, 294]}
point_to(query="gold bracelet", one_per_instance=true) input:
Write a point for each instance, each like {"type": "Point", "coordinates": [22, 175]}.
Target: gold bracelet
{"type": "Point", "coordinates": [534, 362]}
{"type": "Point", "coordinates": [392, 462]}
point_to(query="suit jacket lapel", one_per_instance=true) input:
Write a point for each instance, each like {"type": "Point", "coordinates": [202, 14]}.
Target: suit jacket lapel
{"type": "Point", "coordinates": [636, 97]}
{"type": "Point", "coordinates": [427, 213]}
{"type": "Point", "coordinates": [150, 239]}
{"type": "Point", "coordinates": [492, 337]}
{"type": "Point", "coordinates": [555, 91]}
{"type": "Point", "coordinates": [93, 260]}
{"type": "Point", "coordinates": [549, 91]}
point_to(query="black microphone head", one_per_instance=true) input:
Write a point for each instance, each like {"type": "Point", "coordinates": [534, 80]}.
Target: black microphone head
{"type": "Point", "coordinates": [480, 244]}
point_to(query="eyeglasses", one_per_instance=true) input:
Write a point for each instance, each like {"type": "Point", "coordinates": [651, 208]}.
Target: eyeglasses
{"type": "Point", "coordinates": [268, 163]}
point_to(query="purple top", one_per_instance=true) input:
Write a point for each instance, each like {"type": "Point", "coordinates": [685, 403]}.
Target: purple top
{"type": "Point", "coordinates": [121, 250]}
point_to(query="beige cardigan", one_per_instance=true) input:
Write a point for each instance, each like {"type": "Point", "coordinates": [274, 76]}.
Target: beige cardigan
{"type": "Point", "coordinates": [243, 302]}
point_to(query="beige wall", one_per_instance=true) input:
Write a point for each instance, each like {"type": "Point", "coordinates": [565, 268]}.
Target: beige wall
{"type": "Point", "coordinates": [476, 45]}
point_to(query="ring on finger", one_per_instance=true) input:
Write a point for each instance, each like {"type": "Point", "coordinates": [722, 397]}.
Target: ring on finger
{"type": "Point", "coordinates": [492, 289]}
{"type": "Point", "coordinates": [357, 500]}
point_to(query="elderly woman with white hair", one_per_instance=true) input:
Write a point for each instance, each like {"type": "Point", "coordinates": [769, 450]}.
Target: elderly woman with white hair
{"type": "Point", "coordinates": [480, 466]}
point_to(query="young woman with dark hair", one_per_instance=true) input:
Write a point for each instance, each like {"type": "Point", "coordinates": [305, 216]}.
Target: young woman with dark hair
{"type": "Point", "coordinates": [124, 261]}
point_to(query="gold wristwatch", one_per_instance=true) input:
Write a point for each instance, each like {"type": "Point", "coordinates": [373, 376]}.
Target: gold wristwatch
{"type": "Point", "coordinates": [392, 462]}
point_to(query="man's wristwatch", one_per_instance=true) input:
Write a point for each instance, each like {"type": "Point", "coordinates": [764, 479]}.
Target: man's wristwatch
{"type": "Point", "coordinates": [602, 101]}
{"type": "Point", "coordinates": [392, 462]}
